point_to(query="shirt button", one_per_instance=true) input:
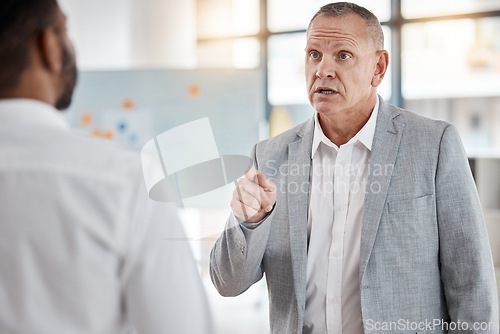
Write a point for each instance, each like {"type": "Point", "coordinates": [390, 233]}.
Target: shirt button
{"type": "Point", "coordinates": [336, 254]}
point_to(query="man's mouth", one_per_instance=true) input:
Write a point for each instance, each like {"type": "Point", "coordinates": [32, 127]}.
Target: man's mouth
{"type": "Point", "coordinates": [326, 91]}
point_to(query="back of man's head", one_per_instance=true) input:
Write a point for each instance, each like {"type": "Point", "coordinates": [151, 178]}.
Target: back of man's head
{"type": "Point", "coordinates": [20, 22]}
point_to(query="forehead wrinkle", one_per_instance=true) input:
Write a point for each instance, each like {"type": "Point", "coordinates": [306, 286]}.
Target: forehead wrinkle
{"type": "Point", "coordinates": [319, 34]}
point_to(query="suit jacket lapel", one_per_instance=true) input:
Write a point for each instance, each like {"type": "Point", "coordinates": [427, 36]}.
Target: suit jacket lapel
{"type": "Point", "coordinates": [299, 162]}
{"type": "Point", "coordinates": [386, 141]}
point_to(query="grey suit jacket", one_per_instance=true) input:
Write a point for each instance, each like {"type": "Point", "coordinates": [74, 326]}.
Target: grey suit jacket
{"type": "Point", "coordinates": [425, 255]}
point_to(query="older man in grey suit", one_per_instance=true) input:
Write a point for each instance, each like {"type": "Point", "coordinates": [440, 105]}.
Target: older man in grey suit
{"type": "Point", "coordinates": [365, 219]}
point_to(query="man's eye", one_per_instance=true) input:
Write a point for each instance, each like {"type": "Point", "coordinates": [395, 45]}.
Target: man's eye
{"type": "Point", "coordinates": [345, 56]}
{"type": "Point", "coordinates": [314, 55]}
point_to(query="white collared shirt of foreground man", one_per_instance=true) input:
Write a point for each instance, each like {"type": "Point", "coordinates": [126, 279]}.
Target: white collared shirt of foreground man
{"type": "Point", "coordinates": [83, 248]}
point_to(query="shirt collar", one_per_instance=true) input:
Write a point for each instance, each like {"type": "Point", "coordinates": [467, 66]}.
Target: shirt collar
{"type": "Point", "coordinates": [365, 135]}
{"type": "Point", "coordinates": [30, 112]}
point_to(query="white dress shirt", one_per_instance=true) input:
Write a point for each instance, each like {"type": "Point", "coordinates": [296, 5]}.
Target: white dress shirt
{"type": "Point", "coordinates": [82, 247]}
{"type": "Point", "coordinates": [338, 183]}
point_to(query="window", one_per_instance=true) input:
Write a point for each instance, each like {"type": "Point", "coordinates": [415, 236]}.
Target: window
{"type": "Point", "coordinates": [451, 71]}
{"type": "Point", "coordinates": [429, 8]}
{"type": "Point", "coordinates": [227, 18]}
{"type": "Point", "coordinates": [286, 69]}
{"type": "Point", "coordinates": [458, 58]}
{"type": "Point", "coordinates": [229, 53]}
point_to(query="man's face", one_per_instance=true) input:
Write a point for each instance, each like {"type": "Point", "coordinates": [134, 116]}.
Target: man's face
{"type": "Point", "coordinates": [69, 74]}
{"type": "Point", "coordinates": [340, 64]}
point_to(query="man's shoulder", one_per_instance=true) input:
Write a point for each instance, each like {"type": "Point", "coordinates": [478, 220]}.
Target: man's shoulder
{"type": "Point", "coordinates": [415, 124]}
{"type": "Point", "coordinates": [412, 117]}
{"type": "Point", "coordinates": [103, 156]}
{"type": "Point", "coordinates": [93, 146]}
{"type": "Point", "coordinates": [67, 152]}
{"type": "Point", "coordinates": [420, 136]}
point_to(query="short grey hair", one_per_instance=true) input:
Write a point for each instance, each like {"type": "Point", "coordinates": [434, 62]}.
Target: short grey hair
{"type": "Point", "coordinates": [340, 9]}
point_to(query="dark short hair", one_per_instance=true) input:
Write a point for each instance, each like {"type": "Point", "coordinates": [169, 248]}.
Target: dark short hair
{"type": "Point", "coordinates": [339, 9]}
{"type": "Point", "coordinates": [20, 22]}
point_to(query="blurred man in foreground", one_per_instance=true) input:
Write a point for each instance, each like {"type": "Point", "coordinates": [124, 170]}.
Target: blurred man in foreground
{"type": "Point", "coordinates": [82, 248]}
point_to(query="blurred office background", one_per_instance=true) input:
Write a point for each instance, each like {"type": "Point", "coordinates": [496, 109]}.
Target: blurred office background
{"type": "Point", "coordinates": [150, 65]}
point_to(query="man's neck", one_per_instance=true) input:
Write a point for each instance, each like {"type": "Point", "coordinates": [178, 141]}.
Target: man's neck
{"type": "Point", "coordinates": [34, 85]}
{"type": "Point", "coordinates": [340, 128]}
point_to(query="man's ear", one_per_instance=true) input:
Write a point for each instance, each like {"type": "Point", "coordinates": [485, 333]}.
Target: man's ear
{"type": "Point", "coordinates": [381, 67]}
{"type": "Point", "coordinates": [49, 50]}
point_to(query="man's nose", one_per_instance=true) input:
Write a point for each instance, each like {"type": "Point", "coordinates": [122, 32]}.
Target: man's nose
{"type": "Point", "coordinates": [326, 69]}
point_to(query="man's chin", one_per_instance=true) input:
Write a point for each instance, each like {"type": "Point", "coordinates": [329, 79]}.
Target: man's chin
{"type": "Point", "coordinates": [65, 99]}
{"type": "Point", "coordinates": [323, 108]}
{"type": "Point", "coordinates": [64, 102]}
